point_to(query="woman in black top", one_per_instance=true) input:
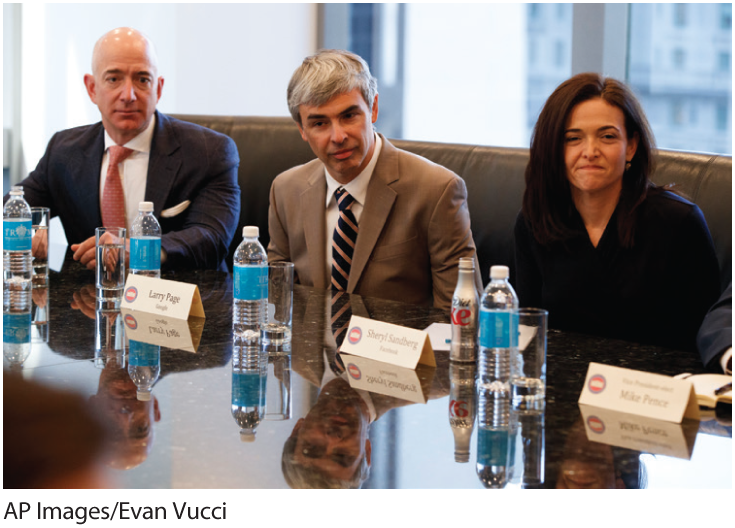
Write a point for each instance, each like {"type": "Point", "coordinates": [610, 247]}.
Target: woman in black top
{"type": "Point", "coordinates": [598, 245]}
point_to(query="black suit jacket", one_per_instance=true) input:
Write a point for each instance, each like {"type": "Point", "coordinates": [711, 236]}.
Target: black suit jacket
{"type": "Point", "coordinates": [715, 335]}
{"type": "Point", "coordinates": [187, 162]}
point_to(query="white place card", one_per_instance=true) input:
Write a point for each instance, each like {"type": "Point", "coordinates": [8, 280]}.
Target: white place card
{"type": "Point", "coordinates": [387, 342]}
{"type": "Point", "coordinates": [641, 393]}
{"type": "Point", "coordinates": [163, 331]}
{"type": "Point", "coordinates": [440, 335]}
{"type": "Point", "coordinates": [177, 300]}
{"type": "Point", "coordinates": [383, 378]}
{"type": "Point", "coordinates": [639, 433]}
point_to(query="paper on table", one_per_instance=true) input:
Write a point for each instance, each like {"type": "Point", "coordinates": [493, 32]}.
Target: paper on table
{"type": "Point", "coordinates": [705, 386]}
{"type": "Point", "coordinates": [526, 334]}
{"type": "Point", "coordinates": [440, 335]}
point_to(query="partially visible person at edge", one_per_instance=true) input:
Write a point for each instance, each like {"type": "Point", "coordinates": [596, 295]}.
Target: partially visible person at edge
{"type": "Point", "coordinates": [714, 339]}
{"type": "Point", "coordinates": [189, 172]}
{"type": "Point", "coordinates": [597, 244]}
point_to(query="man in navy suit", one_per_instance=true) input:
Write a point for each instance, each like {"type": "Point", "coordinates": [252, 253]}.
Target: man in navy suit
{"type": "Point", "coordinates": [187, 171]}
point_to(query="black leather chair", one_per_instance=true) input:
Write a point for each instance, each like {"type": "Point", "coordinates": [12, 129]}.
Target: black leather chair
{"type": "Point", "coordinates": [494, 178]}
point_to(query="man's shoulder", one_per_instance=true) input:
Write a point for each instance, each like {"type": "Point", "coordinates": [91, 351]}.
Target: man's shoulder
{"type": "Point", "coordinates": [77, 136]}
{"type": "Point", "coordinates": [298, 175]}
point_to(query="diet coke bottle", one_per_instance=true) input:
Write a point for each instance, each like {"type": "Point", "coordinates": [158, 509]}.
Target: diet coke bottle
{"type": "Point", "coordinates": [464, 313]}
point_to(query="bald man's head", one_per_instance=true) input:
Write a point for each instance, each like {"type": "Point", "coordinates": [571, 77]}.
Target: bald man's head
{"type": "Point", "coordinates": [124, 83]}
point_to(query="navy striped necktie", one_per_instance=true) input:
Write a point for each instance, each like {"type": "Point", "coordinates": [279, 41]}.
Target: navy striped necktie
{"type": "Point", "coordinates": [343, 240]}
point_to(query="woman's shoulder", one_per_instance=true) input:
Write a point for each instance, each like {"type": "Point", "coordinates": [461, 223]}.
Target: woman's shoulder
{"type": "Point", "coordinates": [668, 202]}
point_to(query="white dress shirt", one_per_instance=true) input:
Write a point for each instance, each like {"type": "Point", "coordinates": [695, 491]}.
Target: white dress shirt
{"type": "Point", "coordinates": [133, 171]}
{"type": "Point", "coordinates": [357, 189]}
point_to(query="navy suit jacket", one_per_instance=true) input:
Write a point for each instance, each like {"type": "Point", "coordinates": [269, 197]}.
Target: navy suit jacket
{"type": "Point", "coordinates": [187, 162]}
{"type": "Point", "coordinates": [715, 335]}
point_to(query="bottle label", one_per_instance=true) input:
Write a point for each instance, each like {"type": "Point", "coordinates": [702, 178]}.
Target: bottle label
{"type": "Point", "coordinates": [251, 282]}
{"type": "Point", "coordinates": [145, 253]}
{"type": "Point", "coordinates": [17, 328]}
{"type": "Point", "coordinates": [492, 447]}
{"type": "Point", "coordinates": [144, 354]}
{"type": "Point", "coordinates": [247, 390]}
{"type": "Point", "coordinates": [498, 328]}
{"type": "Point", "coordinates": [17, 235]}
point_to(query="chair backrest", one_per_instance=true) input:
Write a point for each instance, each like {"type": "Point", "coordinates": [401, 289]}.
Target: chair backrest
{"type": "Point", "coordinates": [494, 178]}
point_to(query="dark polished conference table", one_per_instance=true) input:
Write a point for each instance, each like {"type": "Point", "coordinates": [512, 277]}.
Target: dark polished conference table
{"type": "Point", "coordinates": [187, 435]}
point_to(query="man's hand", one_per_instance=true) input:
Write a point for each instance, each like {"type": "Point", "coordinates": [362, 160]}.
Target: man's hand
{"type": "Point", "coordinates": [85, 300]}
{"type": "Point", "coordinates": [85, 251]}
{"type": "Point", "coordinates": [39, 244]}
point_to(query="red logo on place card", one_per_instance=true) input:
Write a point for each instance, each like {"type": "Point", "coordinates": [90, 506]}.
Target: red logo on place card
{"type": "Point", "coordinates": [130, 322]}
{"type": "Point", "coordinates": [354, 371]}
{"type": "Point", "coordinates": [355, 335]}
{"type": "Point", "coordinates": [131, 294]}
{"type": "Point", "coordinates": [597, 384]}
{"type": "Point", "coordinates": [596, 425]}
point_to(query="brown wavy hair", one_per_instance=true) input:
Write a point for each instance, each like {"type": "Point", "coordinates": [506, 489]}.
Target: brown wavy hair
{"type": "Point", "coordinates": [547, 201]}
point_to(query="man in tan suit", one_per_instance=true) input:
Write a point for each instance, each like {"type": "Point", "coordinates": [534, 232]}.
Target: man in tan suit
{"type": "Point", "coordinates": [405, 224]}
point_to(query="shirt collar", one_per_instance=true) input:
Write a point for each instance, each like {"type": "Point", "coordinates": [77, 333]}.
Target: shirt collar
{"type": "Point", "coordinates": [141, 142]}
{"type": "Point", "coordinates": [357, 187]}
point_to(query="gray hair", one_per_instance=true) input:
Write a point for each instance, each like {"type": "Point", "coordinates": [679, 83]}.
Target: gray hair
{"type": "Point", "coordinates": [299, 477]}
{"type": "Point", "coordinates": [326, 74]}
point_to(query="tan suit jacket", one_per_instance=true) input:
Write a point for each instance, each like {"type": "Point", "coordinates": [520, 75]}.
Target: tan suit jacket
{"type": "Point", "coordinates": [414, 228]}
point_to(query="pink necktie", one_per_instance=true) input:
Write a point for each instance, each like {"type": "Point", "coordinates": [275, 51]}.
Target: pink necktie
{"type": "Point", "coordinates": [113, 198]}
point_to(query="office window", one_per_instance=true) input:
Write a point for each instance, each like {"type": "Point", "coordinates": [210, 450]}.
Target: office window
{"type": "Point", "coordinates": [726, 16]}
{"type": "Point", "coordinates": [724, 61]}
{"type": "Point", "coordinates": [679, 57]}
{"type": "Point", "coordinates": [467, 73]}
{"type": "Point", "coordinates": [685, 95]}
{"type": "Point", "coordinates": [680, 15]}
{"type": "Point", "coordinates": [721, 117]}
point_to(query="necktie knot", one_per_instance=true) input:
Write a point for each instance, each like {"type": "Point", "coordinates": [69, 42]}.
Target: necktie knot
{"type": "Point", "coordinates": [344, 199]}
{"type": "Point", "coordinates": [119, 154]}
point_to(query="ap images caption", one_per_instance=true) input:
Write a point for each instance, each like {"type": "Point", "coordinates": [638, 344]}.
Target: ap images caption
{"type": "Point", "coordinates": [122, 511]}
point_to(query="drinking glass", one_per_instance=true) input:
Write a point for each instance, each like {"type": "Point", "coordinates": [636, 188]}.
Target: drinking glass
{"type": "Point", "coordinates": [39, 245]}
{"type": "Point", "coordinates": [110, 268]}
{"type": "Point", "coordinates": [528, 367]}
{"type": "Point", "coordinates": [277, 329]}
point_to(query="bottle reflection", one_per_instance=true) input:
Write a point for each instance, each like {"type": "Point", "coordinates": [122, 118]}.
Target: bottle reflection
{"type": "Point", "coordinates": [527, 436]}
{"type": "Point", "coordinates": [144, 367]}
{"type": "Point", "coordinates": [249, 373]}
{"type": "Point", "coordinates": [495, 451]}
{"type": "Point", "coordinates": [462, 407]}
{"type": "Point", "coordinates": [16, 328]}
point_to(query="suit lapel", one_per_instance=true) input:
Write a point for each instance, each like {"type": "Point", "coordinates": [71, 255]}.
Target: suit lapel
{"type": "Point", "coordinates": [378, 204]}
{"type": "Point", "coordinates": [312, 205]}
{"type": "Point", "coordinates": [85, 171]}
{"type": "Point", "coordinates": [163, 165]}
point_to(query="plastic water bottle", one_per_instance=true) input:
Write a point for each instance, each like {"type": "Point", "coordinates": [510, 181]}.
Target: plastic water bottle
{"type": "Point", "coordinates": [498, 332]}
{"type": "Point", "coordinates": [464, 313]}
{"type": "Point", "coordinates": [249, 374]}
{"type": "Point", "coordinates": [462, 407]}
{"type": "Point", "coordinates": [251, 286]}
{"type": "Point", "coordinates": [144, 367]}
{"type": "Point", "coordinates": [17, 261]}
{"type": "Point", "coordinates": [145, 243]}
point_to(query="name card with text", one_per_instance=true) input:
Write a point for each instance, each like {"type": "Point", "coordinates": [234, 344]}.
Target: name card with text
{"type": "Point", "coordinates": [384, 378]}
{"type": "Point", "coordinates": [639, 433]}
{"type": "Point", "coordinates": [641, 393]}
{"type": "Point", "coordinates": [178, 300]}
{"type": "Point", "coordinates": [389, 343]}
{"type": "Point", "coordinates": [160, 330]}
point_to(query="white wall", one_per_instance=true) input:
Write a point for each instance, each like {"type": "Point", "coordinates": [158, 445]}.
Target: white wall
{"type": "Point", "coordinates": [215, 58]}
{"type": "Point", "coordinates": [461, 86]}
